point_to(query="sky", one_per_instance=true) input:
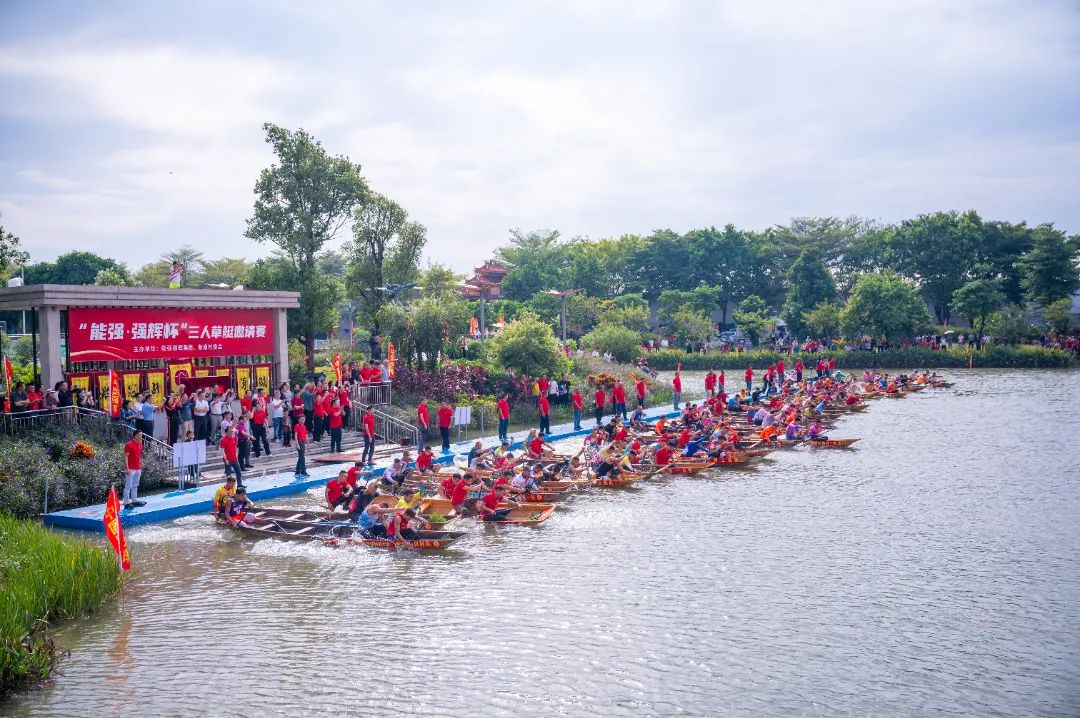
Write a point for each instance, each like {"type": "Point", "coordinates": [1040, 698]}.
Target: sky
{"type": "Point", "coordinates": [130, 128]}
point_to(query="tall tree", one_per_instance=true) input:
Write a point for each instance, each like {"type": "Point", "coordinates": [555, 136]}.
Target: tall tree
{"type": "Point", "coordinates": [385, 250]}
{"type": "Point", "coordinates": [753, 318]}
{"type": "Point", "coordinates": [809, 284]}
{"type": "Point", "coordinates": [977, 300]}
{"type": "Point", "coordinates": [724, 259]}
{"type": "Point", "coordinates": [940, 252]}
{"type": "Point", "coordinates": [440, 282]}
{"type": "Point", "coordinates": [882, 305]}
{"type": "Point", "coordinates": [301, 202]}
{"type": "Point", "coordinates": [11, 252]}
{"type": "Point", "coordinates": [318, 298]}
{"type": "Point", "coordinates": [537, 261]}
{"type": "Point", "coordinates": [113, 277]}
{"type": "Point", "coordinates": [1004, 243]}
{"type": "Point", "coordinates": [227, 270]}
{"type": "Point", "coordinates": [1049, 268]}
{"type": "Point", "coordinates": [662, 262]}
{"type": "Point", "coordinates": [191, 258]}
{"type": "Point", "coordinates": [823, 320]}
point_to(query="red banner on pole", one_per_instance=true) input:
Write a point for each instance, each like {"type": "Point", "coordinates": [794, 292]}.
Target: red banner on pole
{"type": "Point", "coordinates": [338, 373]}
{"type": "Point", "coordinates": [114, 530]}
{"type": "Point", "coordinates": [116, 396]}
{"type": "Point", "coordinates": [107, 334]}
{"type": "Point", "coordinates": [8, 379]}
{"type": "Point", "coordinates": [391, 357]}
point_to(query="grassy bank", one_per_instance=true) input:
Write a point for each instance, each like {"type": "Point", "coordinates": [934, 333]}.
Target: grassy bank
{"type": "Point", "coordinates": [990, 357]}
{"type": "Point", "coordinates": [44, 578]}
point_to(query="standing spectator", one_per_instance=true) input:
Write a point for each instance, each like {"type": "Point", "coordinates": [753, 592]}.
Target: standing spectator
{"type": "Point", "coordinates": [300, 432]}
{"type": "Point", "coordinates": [230, 455]}
{"type": "Point", "coordinates": [20, 402]}
{"type": "Point", "coordinates": [446, 420]}
{"type": "Point", "coordinates": [318, 409]}
{"type": "Point", "coordinates": [187, 419]}
{"type": "Point", "coordinates": [277, 414]}
{"type": "Point", "coordinates": [63, 394]}
{"type": "Point", "coordinates": [749, 376]}
{"type": "Point", "coordinates": [368, 456]}
{"type": "Point", "coordinates": [640, 387]}
{"type": "Point", "coordinates": [133, 462]}
{"type": "Point", "coordinates": [34, 397]}
{"type": "Point", "coordinates": [219, 406]}
{"type": "Point", "coordinates": [423, 420]}
{"type": "Point", "coordinates": [243, 440]}
{"type": "Point", "coordinates": [544, 410]}
{"type": "Point", "coordinates": [201, 412]}
{"type": "Point", "coordinates": [127, 413]}
{"type": "Point", "coordinates": [619, 393]}
{"type": "Point", "coordinates": [676, 387]}
{"type": "Point", "coordinates": [598, 403]}
{"type": "Point", "coordinates": [344, 396]}
{"type": "Point", "coordinates": [710, 382]}
{"type": "Point", "coordinates": [334, 420]}
{"type": "Point", "coordinates": [258, 429]}
{"type": "Point", "coordinates": [384, 371]}
{"type": "Point", "coordinates": [798, 370]}
{"type": "Point", "coordinates": [148, 410]}
{"type": "Point", "coordinates": [577, 404]}
{"type": "Point", "coordinates": [308, 397]}
{"type": "Point", "coordinates": [503, 407]}
{"type": "Point", "coordinates": [172, 416]}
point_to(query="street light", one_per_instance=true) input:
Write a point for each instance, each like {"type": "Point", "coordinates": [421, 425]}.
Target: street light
{"type": "Point", "coordinates": [563, 294]}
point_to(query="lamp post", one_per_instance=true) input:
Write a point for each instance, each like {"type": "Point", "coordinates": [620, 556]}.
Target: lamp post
{"type": "Point", "coordinates": [563, 294]}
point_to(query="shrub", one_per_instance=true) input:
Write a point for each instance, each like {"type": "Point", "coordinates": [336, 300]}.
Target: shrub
{"type": "Point", "coordinates": [991, 356]}
{"type": "Point", "coordinates": [623, 343]}
{"type": "Point", "coordinates": [528, 346]}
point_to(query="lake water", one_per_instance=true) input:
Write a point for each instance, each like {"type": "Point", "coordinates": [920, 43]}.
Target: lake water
{"type": "Point", "coordinates": [931, 571]}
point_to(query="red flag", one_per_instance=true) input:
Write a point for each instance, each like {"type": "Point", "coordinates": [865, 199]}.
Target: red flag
{"type": "Point", "coordinates": [337, 368]}
{"type": "Point", "coordinates": [114, 530]}
{"type": "Point", "coordinates": [116, 397]}
{"type": "Point", "coordinates": [391, 357]}
{"type": "Point", "coordinates": [8, 378]}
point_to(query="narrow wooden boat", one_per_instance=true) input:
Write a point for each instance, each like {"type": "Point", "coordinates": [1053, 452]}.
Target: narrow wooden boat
{"type": "Point", "coordinates": [526, 515]}
{"type": "Point", "coordinates": [623, 481]}
{"type": "Point", "coordinates": [335, 534]}
{"type": "Point", "coordinates": [831, 443]}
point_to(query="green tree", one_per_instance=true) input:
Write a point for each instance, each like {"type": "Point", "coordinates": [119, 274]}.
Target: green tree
{"type": "Point", "coordinates": [1049, 270]}
{"type": "Point", "coordinates": [809, 284]}
{"type": "Point", "coordinates": [71, 268]}
{"type": "Point", "coordinates": [823, 320]}
{"type": "Point", "coordinates": [332, 263]}
{"type": "Point", "coordinates": [940, 252]}
{"type": "Point", "coordinates": [11, 252]}
{"type": "Point", "coordinates": [693, 328]}
{"type": "Point", "coordinates": [113, 277]}
{"type": "Point", "coordinates": [623, 343]}
{"type": "Point", "coordinates": [537, 261]}
{"type": "Point", "coordinates": [633, 314]}
{"type": "Point", "coordinates": [976, 301]}
{"type": "Point", "coordinates": [1058, 315]}
{"type": "Point", "coordinates": [528, 345]}
{"type": "Point", "coordinates": [154, 274]}
{"type": "Point", "coordinates": [1009, 325]}
{"type": "Point", "coordinates": [301, 202]}
{"type": "Point", "coordinates": [440, 282]}
{"type": "Point", "coordinates": [663, 262]}
{"type": "Point", "coordinates": [1004, 243]}
{"type": "Point", "coordinates": [752, 318]}
{"type": "Point", "coordinates": [385, 250]}
{"type": "Point", "coordinates": [192, 260]}
{"type": "Point", "coordinates": [882, 305]}
{"type": "Point", "coordinates": [603, 268]}
{"type": "Point", "coordinates": [227, 270]}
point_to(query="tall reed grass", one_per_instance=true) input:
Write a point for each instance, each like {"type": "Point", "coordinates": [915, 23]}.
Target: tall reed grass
{"type": "Point", "coordinates": [44, 578]}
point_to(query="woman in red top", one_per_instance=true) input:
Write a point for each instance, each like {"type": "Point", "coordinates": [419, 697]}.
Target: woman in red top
{"type": "Point", "coordinates": [335, 420]}
{"type": "Point", "coordinates": [34, 397]}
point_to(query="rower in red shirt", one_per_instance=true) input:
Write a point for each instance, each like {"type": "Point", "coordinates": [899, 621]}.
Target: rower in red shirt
{"type": "Point", "coordinates": [664, 455]}
{"type": "Point", "coordinates": [424, 460]}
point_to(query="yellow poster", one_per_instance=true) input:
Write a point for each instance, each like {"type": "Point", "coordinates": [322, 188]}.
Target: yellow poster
{"type": "Point", "coordinates": [79, 381]}
{"type": "Point", "coordinates": [262, 378]}
{"type": "Point", "coordinates": [132, 382]}
{"type": "Point", "coordinates": [178, 371]}
{"type": "Point", "coordinates": [203, 371]}
{"type": "Point", "coordinates": [102, 384]}
{"type": "Point", "coordinates": [243, 381]}
{"type": "Point", "coordinates": [155, 381]}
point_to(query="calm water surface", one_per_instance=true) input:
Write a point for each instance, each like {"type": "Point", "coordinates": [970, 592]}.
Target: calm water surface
{"type": "Point", "coordinates": [932, 571]}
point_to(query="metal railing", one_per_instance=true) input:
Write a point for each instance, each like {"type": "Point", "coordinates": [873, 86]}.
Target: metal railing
{"type": "Point", "coordinates": [395, 431]}
{"type": "Point", "coordinates": [371, 394]}
{"type": "Point", "coordinates": [81, 416]}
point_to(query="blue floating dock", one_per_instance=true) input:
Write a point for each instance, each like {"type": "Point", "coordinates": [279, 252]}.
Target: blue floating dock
{"type": "Point", "coordinates": [174, 504]}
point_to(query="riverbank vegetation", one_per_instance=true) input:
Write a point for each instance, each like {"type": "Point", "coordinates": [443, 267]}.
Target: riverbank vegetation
{"type": "Point", "coordinates": [77, 462]}
{"type": "Point", "coordinates": [44, 578]}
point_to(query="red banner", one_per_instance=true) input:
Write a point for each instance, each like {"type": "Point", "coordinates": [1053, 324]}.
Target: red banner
{"type": "Point", "coordinates": [8, 381]}
{"type": "Point", "coordinates": [105, 334]}
{"type": "Point", "coordinates": [114, 530]}
{"type": "Point", "coordinates": [391, 357]}
{"type": "Point", "coordinates": [338, 373]}
{"type": "Point", "coordinates": [116, 396]}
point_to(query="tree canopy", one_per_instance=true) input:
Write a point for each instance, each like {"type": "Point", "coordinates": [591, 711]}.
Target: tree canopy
{"type": "Point", "coordinates": [883, 306]}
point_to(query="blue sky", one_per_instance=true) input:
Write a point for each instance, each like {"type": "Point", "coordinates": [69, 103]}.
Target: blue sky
{"type": "Point", "coordinates": [130, 128]}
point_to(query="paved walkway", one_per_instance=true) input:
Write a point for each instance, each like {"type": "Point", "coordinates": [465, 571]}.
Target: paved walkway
{"type": "Point", "coordinates": [173, 504]}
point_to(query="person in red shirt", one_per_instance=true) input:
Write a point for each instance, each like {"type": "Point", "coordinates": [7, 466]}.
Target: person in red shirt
{"type": "Point", "coordinates": [460, 494]}
{"type": "Point", "coordinates": [338, 491]}
{"type": "Point", "coordinates": [684, 438]}
{"type": "Point", "coordinates": [599, 397]}
{"type": "Point", "coordinates": [798, 370]}
{"type": "Point", "coordinates": [425, 460]}
{"type": "Point", "coordinates": [544, 409]}
{"type": "Point", "coordinates": [398, 528]}
{"type": "Point", "coordinates": [832, 366]}
{"type": "Point", "coordinates": [300, 434]}
{"type": "Point", "coordinates": [710, 382]}
{"type": "Point", "coordinates": [676, 388]}
{"type": "Point", "coordinates": [577, 403]}
{"type": "Point", "coordinates": [368, 433]}
{"type": "Point", "coordinates": [749, 376]}
{"type": "Point", "coordinates": [423, 419]}
{"type": "Point", "coordinates": [335, 419]}
{"type": "Point", "coordinates": [34, 397]}
{"type": "Point", "coordinates": [503, 407]}
{"type": "Point", "coordinates": [246, 402]}
{"type": "Point", "coordinates": [780, 371]}
{"type": "Point", "coordinates": [536, 446]}
{"type": "Point", "coordinates": [664, 455]}
{"type": "Point", "coordinates": [446, 486]}
{"type": "Point", "coordinates": [133, 464]}
{"type": "Point", "coordinates": [230, 455]}
{"type": "Point", "coordinates": [258, 429]}
{"type": "Point", "coordinates": [446, 420]}
{"type": "Point", "coordinates": [488, 506]}
{"type": "Point", "coordinates": [721, 380]}
{"type": "Point", "coordinates": [319, 416]}
{"type": "Point", "coordinates": [354, 473]}
{"type": "Point", "coordinates": [640, 386]}
{"type": "Point", "coordinates": [619, 396]}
